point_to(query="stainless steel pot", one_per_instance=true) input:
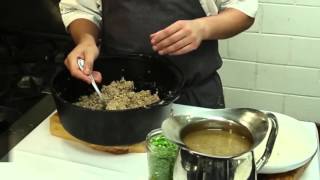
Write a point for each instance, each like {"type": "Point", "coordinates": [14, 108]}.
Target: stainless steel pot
{"type": "Point", "coordinates": [191, 165]}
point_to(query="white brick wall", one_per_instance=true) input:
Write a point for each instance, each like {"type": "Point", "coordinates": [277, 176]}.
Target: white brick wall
{"type": "Point", "coordinates": [275, 65]}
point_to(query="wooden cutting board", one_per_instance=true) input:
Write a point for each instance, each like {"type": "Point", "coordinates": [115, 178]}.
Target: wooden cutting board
{"type": "Point", "coordinates": [57, 129]}
{"type": "Point", "coordinates": [291, 175]}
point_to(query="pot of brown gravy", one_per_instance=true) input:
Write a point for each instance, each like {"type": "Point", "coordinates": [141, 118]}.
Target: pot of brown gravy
{"type": "Point", "coordinates": [218, 144]}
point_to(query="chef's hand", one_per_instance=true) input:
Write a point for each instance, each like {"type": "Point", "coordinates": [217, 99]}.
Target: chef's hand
{"type": "Point", "coordinates": [179, 38]}
{"type": "Point", "coordinates": [88, 52]}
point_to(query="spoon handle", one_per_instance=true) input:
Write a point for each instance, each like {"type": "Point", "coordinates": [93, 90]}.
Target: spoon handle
{"type": "Point", "coordinates": [93, 82]}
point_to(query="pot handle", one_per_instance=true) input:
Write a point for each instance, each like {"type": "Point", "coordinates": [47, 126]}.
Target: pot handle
{"type": "Point", "coordinates": [270, 143]}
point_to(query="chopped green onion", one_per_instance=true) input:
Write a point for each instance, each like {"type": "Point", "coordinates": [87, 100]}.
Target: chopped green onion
{"type": "Point", "coordinates": [161, 157]}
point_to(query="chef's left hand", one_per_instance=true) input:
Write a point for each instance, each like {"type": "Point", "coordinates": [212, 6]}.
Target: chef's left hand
{"type": "Point", "coordinates": [181, 37]}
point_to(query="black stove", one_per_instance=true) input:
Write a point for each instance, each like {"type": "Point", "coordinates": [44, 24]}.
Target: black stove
{"type": "Point", "coordinates": [33, 45]}
{"type": "Point", "coordinates": [27, 63]}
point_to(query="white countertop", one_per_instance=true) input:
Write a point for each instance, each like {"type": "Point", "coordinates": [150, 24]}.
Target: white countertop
{"type": "Point", "coordinates": [43, 156]}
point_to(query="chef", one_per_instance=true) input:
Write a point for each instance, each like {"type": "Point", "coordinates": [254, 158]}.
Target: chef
{"type": "Point", "coordinates": [185, 31]}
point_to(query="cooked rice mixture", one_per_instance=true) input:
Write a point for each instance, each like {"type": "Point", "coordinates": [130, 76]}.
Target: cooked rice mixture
{"type": "Point", "coordinates": [118, 95]}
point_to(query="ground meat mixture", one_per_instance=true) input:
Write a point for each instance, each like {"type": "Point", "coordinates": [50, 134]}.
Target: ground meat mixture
{"type": "Point", "coordinates": [118, 95]}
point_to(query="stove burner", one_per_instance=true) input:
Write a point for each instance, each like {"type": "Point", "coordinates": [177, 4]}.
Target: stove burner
{"type": "Point", "coordinates": [27, 62]}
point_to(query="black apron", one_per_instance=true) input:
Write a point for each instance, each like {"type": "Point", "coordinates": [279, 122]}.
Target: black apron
{"type": "Point", "coordinates": [127, 25]}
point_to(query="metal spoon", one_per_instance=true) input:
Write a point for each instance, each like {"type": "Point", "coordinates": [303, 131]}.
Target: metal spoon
{"type": "Point", "coordinates": [81, 66]}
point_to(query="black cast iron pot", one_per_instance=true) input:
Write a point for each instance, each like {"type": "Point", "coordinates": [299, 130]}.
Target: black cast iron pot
{"type": "Point", "coordinates": [118, 127]}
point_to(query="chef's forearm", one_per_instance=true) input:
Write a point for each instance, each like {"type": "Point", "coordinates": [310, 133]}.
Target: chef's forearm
{"type": "Point", "coordinates": [226, 24]}
{"type": "Point", "coordinates": [84, 31]}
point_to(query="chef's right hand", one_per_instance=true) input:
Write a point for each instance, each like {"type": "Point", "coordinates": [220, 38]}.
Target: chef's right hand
{"type": "Point", "coordinates": [88, 52]}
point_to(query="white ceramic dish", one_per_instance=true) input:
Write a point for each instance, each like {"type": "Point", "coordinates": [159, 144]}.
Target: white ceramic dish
{"type": "Point", "coordinates": [295, 145]}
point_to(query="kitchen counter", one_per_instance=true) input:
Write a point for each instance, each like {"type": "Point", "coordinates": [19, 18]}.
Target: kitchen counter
{"type": "Point", "coordinates": [42, 156]}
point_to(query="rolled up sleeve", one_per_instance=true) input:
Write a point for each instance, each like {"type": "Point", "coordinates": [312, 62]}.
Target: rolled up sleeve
{"type": "Point", "coordinates": [81, 9]}
{"type": "Point", "coordinates": [248, 7]}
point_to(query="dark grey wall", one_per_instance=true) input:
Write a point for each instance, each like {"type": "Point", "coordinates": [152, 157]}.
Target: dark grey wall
{"type": "Point", "coordinates": [31, 15]}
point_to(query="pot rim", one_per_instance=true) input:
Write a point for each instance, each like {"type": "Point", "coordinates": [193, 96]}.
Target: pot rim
{"type": "Point", "coordinates": [225, 121]}
{"type": "Point", "coordinates": [142, 57]}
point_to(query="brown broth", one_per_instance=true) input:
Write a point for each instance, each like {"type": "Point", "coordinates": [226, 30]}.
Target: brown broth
{"type": "Point", "coordinates": [217, 142]}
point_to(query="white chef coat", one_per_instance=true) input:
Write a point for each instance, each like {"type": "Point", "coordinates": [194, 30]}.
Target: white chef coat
{"type": "Point", "coordinates": [92, 9]}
